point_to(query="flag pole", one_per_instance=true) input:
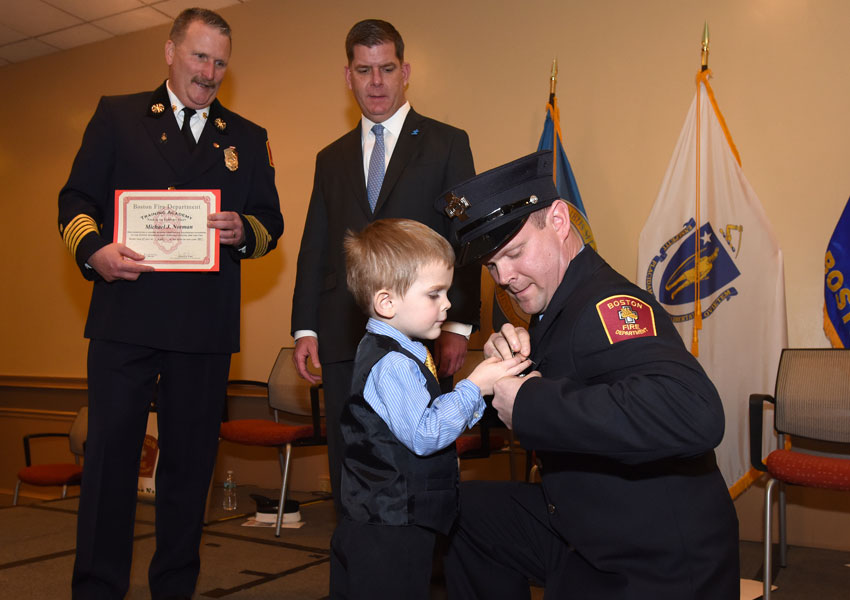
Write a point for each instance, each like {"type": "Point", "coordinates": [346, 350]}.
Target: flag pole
{"type": "Point", "coordinates": [553, 82]}
{"type": "Point", "coordinates": [697, 275]}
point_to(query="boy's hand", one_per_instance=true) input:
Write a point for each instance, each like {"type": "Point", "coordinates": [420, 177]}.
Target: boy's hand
{"type": "Point", "coordinates": [493, 369]}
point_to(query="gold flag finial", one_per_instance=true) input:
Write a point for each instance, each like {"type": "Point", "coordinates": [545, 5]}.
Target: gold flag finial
{"type": "Point", "coordinates": [553, 79]}
{"type": "Point", "coordinates": [705, 47]}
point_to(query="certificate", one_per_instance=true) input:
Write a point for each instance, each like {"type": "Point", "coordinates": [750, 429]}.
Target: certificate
{"type": "Point", "coordinates": [169, 227]}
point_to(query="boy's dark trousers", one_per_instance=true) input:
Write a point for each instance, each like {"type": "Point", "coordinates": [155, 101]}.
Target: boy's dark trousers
{"type": "Point", "coordinates": [372, 561]}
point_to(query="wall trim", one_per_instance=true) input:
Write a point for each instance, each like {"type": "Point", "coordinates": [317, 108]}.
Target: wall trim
{"type": "Point", "coordinates": [45, 415]}
{"type": "Point", "coordinates": [43, 382]}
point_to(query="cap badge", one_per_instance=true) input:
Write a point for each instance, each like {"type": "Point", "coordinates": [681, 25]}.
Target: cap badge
{"type": "Point", "coordinates": [456, 206]}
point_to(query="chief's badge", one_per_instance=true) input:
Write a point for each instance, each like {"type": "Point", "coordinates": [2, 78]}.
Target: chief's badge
{"type": "Point", "coordinates": [626, 317]}
{"type": "Point", "coordinates": [231, 158]}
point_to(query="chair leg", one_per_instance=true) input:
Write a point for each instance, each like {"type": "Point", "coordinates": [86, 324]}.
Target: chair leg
{"type": "Point", "coordinates": [768, 542]}
{"type": "Point", "coordinates": [783, 539]}
{"type": "Point", "coordinates": [284, 475]}
{"type": "Point", "coordinates": [15, 497]}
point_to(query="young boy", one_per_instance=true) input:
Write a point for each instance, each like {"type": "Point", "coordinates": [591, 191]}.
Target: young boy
{"type": "Point", "coordinates": [400, 472]}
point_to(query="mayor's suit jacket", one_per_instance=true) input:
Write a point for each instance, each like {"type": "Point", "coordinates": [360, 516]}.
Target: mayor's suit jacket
{"type": "Point", "coordinates": [625, 430]}
{"type": "Point", "coordinates": [132, 142]}
{"type": "Point", "coordinates": [429, 158]}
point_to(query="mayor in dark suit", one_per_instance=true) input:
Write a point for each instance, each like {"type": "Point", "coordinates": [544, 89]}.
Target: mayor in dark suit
{"type": "Point", "coordinates": [392, 165]}
{"type": "Point", "coordinates": [167, 335]}
{"type": "Point", "coordinates": [622, 417]}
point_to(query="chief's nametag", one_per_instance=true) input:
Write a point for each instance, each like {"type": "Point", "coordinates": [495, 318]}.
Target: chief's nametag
{"type": "Point", "coordinates": [626, 317]}
{"type": "Point", "coordinates": [231, 158]}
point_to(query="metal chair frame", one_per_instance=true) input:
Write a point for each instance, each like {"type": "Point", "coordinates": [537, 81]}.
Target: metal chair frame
{"type": "Point", "coordinates": [76, 441]}
{"type": "Point", "coordinates": [812, 400]}
{"type": "Point", "coordinates": [282, 398]}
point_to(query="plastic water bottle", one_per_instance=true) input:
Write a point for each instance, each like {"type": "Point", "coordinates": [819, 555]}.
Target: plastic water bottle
{"type": "Point", "coordinates": [229, 501]}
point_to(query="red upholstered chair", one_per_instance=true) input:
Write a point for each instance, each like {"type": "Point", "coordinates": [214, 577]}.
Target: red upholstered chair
{"type": "Point", "coordinates": [52, 474]}
{"type": "Point", "coordinates": [812, 399]}
{"type": "Point", "coordinates": [287, 398]}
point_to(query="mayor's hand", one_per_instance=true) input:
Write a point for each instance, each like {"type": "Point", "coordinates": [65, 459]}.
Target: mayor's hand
{"type": "Point", "coordinates": [307, 348]}
{"type": "Point", "coordinates": [449, 353]}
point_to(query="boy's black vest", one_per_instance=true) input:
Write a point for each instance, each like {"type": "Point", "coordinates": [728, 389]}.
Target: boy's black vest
{"type": "Point", "coordinates": [382, 480]}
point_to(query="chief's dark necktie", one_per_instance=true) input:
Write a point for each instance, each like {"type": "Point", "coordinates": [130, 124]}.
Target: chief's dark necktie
{"type": "Point", "coordinates": [187, 129]}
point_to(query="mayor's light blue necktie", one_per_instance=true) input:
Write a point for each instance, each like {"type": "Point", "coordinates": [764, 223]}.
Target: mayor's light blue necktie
{"type": "Point", "coordinates": [376, 167]}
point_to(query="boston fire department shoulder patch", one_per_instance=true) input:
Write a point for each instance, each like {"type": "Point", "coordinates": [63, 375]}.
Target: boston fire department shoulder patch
{"type": "Point", "coordinates": [626, 317]}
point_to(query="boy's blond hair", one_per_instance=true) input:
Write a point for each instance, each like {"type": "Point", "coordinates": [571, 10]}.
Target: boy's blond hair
{"type": "Point", "coordinates": [388, 255]}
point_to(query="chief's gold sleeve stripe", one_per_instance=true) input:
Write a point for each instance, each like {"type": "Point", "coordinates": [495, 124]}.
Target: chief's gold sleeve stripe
{"type": "Point", "coordinates": [79, 227]}
{"type": "Point", "coordinates": [261, 235]}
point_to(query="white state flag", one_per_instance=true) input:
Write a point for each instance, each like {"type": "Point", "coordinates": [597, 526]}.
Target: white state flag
{"type": "Point", "coordinates": [738, 272]}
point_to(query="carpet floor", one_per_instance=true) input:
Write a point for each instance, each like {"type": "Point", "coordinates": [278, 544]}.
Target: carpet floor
{"type": "Point", "coordinates": [248, 563]}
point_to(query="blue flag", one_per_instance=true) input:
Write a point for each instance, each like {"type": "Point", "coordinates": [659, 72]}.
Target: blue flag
{"type": "Point", "coordinates": [504, 310]}
{"type": "Point", "coordinates": [836, 289]}
{"type": "Point", "coordinates": [565, 182]}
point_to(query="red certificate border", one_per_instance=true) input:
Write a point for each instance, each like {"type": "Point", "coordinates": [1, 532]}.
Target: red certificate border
{"type": "Point", "coordinates": [210, 263]}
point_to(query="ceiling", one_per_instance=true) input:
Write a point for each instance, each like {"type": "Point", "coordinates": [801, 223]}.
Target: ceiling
{"type": "Point", "coordinates": [31, 28]}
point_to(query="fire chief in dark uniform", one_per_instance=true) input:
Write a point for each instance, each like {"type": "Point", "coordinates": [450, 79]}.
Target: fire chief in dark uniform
{"type": "Point", "coordinates": [622, 417]}
{"type": "Point", "coordinates": [170, 333]}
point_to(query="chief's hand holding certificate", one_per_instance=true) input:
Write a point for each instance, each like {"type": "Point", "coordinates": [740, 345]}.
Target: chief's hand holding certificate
{"type": "Point", "coordinates": [169, 227]}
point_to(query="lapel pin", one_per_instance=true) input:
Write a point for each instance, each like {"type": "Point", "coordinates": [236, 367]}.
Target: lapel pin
{"type": "Point", "coordinates": [216, 145]}
{"type": "Point", "coordinates": [157, 108]}
{"type": "Point", "coordinates": [414, 132]}
{"type": "Point", "coordinates": [163, 138]}
{"type": "Point", "coordinates": [220, 124]}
